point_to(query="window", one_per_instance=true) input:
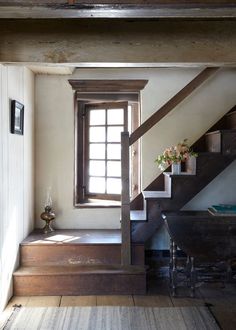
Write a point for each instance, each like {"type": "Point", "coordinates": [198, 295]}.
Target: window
{"type": "Point", "coordinates": [99, 128]}
{"type": "Point", "coordinates": [104, 124]}
{"type": "Point", "coordinates": [100, 117]}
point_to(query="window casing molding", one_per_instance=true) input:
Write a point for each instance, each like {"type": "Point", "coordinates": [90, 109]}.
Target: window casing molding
{"type": "Point", "coordinates": [89, 96]}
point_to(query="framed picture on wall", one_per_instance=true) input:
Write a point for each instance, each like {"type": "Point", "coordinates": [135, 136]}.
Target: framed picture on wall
{"type": "Point", "coordinates": [17, 117]}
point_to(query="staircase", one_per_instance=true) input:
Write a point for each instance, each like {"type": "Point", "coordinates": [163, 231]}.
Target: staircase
{"type": "Point", "coordinates": [78, 262]}
{"type": "Point", "coordinates": [81, 262]}
{"type": "Point", "coordinates": [174, 191]}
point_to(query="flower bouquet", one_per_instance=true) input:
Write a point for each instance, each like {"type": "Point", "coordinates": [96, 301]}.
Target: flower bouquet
{"type": "Point", "coordinates": [175, 155]}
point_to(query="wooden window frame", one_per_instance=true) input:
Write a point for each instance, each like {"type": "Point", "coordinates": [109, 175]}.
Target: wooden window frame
{"type": "Point", "coordinates": [102, 91]}
{"type": "Point", "coordinates": [106, 106]}
{"type": "Point", "coordinates": [81, 197]}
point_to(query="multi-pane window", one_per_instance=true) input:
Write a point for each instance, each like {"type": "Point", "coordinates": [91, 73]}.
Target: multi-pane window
{"type": "Point", "coordinates": [97, 170]}
{"type": "Point", "coordinates": [98, 128]}
{"type": "Point", "coordinates": [104, 124]}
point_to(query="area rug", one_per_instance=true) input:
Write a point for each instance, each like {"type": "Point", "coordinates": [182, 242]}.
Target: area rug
{"type": "Point", "coordinates": [111, 318]}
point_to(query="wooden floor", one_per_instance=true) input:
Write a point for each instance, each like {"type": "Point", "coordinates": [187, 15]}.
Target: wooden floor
{"type": "Point", "coordinates": [221, 301]}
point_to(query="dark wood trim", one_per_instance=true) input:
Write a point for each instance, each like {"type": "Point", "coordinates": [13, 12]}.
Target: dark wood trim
{"type": "Point", "coordinates": [81, 198]}
{"type": "Point", "coordinates": [115, 86]}
{"type": "Point", "coordinates": [111, 97]}
{"type": "Point", "coordinates": [82, 195]}
{"type": "Point", "coordinates": [172, 103]}
{"type": "Point", "coordinates": [79, 152]}
{"type": "Point", "coordinates": [125, 201]}
{"type": "Point", "coordinates": [135, 148]}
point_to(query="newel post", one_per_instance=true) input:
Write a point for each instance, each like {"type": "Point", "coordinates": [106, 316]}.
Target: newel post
{"type": "Point", "coordinates": [125, 201]}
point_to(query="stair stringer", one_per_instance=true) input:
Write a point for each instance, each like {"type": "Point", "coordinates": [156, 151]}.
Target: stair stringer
{"type": "Point", "coordinates": [183, 189]}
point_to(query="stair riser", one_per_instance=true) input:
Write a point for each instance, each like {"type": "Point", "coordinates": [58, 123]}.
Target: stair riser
{"type": "Point", "coordinates": [184, 188]}
{"type": "Point", "coordinates": [86, 284]}
{"type": "Point", "coordinates": [231, 120]}
{"type": "Point", "coordinates": [44, 255]}
{"type": "Point", "coordinates": [222, 142]}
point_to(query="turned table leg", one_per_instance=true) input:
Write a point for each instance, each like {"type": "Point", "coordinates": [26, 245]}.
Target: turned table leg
{"type": "Point", "coordinates": [174, 269]}
{"type": "Point", "coordinates": [192, 277]}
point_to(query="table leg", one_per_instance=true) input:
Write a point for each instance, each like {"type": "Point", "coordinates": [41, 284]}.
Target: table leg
{"type": "Point", "coordinates": [192, 277]}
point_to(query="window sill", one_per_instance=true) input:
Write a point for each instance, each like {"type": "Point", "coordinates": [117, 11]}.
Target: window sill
{"type": "Point", "coordinates": [98, 203]}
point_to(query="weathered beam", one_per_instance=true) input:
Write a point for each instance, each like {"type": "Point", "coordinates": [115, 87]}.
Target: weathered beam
{"type": "Point", "coordinates": [69, 9]}
{"type": "Point", "coordinates": [85, 41]}
{"type": "Point", "coordinates": [172, 103]}
{"type": "Point", "coordinates": [114, 2]}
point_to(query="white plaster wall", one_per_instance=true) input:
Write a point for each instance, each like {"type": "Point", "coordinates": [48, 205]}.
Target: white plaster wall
{"type": "Point", "coordinates": [220, 190]}
{"type": "Point", "coordinates": [55, 132]}
{"type": "Point", "coordinates": [16, 173]}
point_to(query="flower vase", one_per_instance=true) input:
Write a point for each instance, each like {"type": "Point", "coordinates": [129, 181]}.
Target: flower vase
{"type": "Point", "coordinates": [176, 168]}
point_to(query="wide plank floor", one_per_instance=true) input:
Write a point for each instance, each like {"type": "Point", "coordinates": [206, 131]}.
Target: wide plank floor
{"type": "Point", "coordinates": [220, 300]}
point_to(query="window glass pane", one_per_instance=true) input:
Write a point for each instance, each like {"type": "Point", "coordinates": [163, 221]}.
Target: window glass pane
{"type": "Point", "coordinates": [113, 186]}
{"type": "Point", "coordinates": [113, 133]}
{"type": "Point", "coordinates": [114, 168]}
{"type": "Point", "coordinates": [97, 185]}
{"type": "Point", "coordinates": [97, 134]}
{"type": "Point", "coordinates": [115, 117]}
{"type": "Point", "coordinates": [97, 117]}
{"type": "Point", "coordinates": [97, 167]}
{"type": "Point", "coordinates": [113, 151]}
{"type": "Point", "coordinates": [97, 151]}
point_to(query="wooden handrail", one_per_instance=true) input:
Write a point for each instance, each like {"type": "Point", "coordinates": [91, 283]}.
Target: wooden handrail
{"type": "Point", "coordinates": [125, 201]}
{"type": "Point", "coordinates": [172, 103]}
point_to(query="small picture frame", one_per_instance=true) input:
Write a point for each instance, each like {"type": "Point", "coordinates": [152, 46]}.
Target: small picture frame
{"type": "Point", "coordinates": [17, 117]}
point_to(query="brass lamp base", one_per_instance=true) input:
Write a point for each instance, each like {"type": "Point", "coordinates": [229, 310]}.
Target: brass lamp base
{"type": "Point", "coordinates": [47, 228]}
{"type": "Point", "coordinates": [48, 215]}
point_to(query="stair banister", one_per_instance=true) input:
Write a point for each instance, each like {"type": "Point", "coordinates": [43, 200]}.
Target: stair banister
{"type": "Point", "coordinates": [172, 103]}
{"type": "Point", "coordinates": [127, 141]}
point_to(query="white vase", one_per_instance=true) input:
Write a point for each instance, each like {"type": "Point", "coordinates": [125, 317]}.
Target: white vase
{"type": "Point", "coordinates": [176, 168]}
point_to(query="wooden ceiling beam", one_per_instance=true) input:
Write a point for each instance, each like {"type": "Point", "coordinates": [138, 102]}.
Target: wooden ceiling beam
{"type": "Point", "coordinates": [123, 41]}
{"type": "Point", "coordinates": [115, 2]}
{"type": "Point", "coordinates": [153, 9]}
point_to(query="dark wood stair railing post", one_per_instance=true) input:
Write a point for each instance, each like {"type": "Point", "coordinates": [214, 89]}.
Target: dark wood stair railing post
{"type": "Point", "coordinates": [125, 201]}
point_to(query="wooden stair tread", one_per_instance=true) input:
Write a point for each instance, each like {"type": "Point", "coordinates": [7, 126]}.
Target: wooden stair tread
{"type": "Point", "coordinates": [78, 269]}
{"type": "Point", "coordinates": [231, 113]}
{"type": "Point", "coordinates": [155, 194]}
{"type": "Point", "coordinates": [138, 215]}
{"type": "Point", "coordinates": [230, 130]}
{"type": "Point", "coordinates": [74, 237]}
{"type": "Point", "coordinates": [179, 175]}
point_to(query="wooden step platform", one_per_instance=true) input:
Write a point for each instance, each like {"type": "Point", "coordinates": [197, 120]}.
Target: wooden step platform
{"type": "Point", "coordinates": [79, 280]}
{"type": "Point", "coordinates": [78, 262]}
{"type": "Point", "coordinates": [76, 247]}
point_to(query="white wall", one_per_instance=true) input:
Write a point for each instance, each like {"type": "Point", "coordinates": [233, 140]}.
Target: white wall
{"type": "Point", "coordinates": [55, 122]}
{"type": "Point", "coordinates": [16, 172]}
